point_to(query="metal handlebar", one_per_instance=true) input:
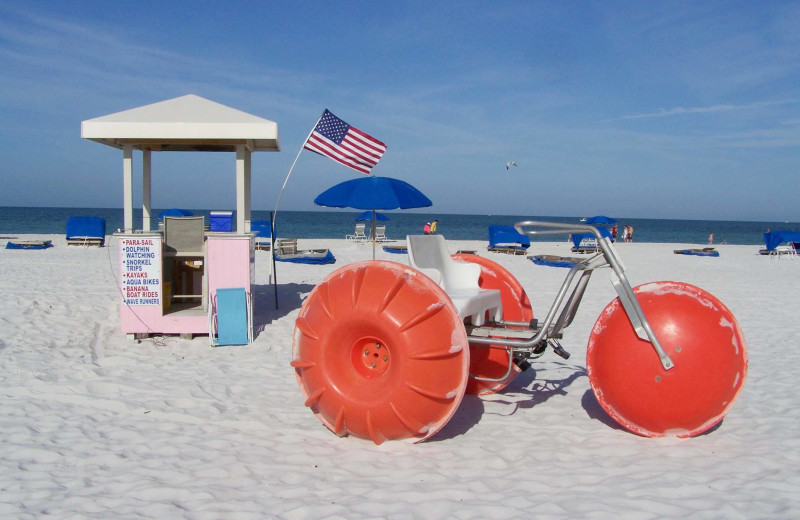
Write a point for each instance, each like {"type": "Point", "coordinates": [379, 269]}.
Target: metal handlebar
{"type": "Point", "coordinates": [622, 285]}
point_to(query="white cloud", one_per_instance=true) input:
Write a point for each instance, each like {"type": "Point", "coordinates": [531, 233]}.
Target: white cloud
{"type": "Point", "coordinates": [677, 111]}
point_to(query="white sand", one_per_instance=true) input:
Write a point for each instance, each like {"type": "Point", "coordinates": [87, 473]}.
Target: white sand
{"type": "Point", "coordinates": [98, 426]}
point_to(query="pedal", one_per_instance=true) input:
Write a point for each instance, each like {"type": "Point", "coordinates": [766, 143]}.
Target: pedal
{"type": "Point", "coordinates": [523, 364]}
{"type": "Point", "coordinates": [561, 352]}
{"type": "Point", "coordinates": [558, 349]}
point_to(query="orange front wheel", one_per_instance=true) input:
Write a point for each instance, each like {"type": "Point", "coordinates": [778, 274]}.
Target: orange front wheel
{"type": "Point", "coordinates": [380, 353]}
{"type": "Point", "coordinates": [701, 336]}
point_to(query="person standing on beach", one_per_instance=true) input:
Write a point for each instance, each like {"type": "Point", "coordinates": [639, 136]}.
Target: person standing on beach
{"type": "Point", "coordinates": [625, 233]}
{"type": "Point", "coordinates": [433, 226]}
{"type": "Point", "coordinates": [711, 239]}
{"type": "Point", "coordinates": [427, 228]}
{"type": "Point", "coordinates": [630, 233]}
{"type": "Point", "coordinates": [614, 233]}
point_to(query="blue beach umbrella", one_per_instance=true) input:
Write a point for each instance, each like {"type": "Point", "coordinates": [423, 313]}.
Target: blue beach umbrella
{"type": "Point", "coordinates": [175, 212]}
{"type": "Point", "coordinates": [601, 219]}
{"type": "Point", "coordinates": [373, 193]}
{"type": "Point", "coordinates": [367, 215]}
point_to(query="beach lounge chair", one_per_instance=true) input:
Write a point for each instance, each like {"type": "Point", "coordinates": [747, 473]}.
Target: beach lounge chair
{"type": "Point", "coordinates": [506, 239]}
{"type": "Point", "coordinates": [398, 249]}
{"type": "Point", "coordinates": [787, 250]}
{"type": "Point", "coordinates": [555, 260]}
{"type": "Point", "coordinates": [380, 234]}
{"type": "Point", "coordinates": [286, 246]}
{"type": "Point", "coordinates": [29, 244]}
{"type": "Point", "coordinates": [586, 242]}
{"type": "Point", "coordinates": [358, 234]}
{"type": "Point", "coordinates": [230, 317]}
{"type": "Point", "coordinates": [86, 231]}
{"type": "Point", "coordinates": [782, 237]}
{"type": "Point", "coordinates": [286, 251]}
{"type": "Point", "coordinates": [428, 254]}
{"type": "Point", "coordinates": [705, 251]}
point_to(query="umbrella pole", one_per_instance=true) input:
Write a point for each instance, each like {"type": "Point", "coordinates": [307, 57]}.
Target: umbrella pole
{"type": "Point", "coordinates": [373, 234]}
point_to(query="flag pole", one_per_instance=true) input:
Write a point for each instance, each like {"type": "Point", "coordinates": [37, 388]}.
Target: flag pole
{"type": "Point", "coordinates": [272, 266]}
{"type": "Point", "coordinates": [277, 203]}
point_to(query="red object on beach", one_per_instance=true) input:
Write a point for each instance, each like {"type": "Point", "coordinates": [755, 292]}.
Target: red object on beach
{"type": "Point", "coordinates": [380, 353]}
{"type": "Point", "coordinates": [492, 361]}
{"type": "Point", "coordinates": [703, 339]}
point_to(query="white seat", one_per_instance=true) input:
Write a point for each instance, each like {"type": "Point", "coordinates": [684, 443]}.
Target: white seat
{"type": "Point", "coordinates": [428, 254]}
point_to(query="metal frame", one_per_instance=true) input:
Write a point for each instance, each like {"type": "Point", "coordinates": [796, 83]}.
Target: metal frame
{"type": "Point", "coordinates": [532, 341]}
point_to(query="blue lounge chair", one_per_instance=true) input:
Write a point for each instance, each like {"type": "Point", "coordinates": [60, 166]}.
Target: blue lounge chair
{"type": "Point", "coordinates": [774, 239]}
{"type": "Point", "coordinates": [86, 231]}
{"type": "Point", "coordinates": [230, 317]}
{"type": "Point", "coordinates": [506, 239]}
{"type": "Point", "coordinates": [29, 244]}
{"type": "Point", "coordinates": [587, 242]}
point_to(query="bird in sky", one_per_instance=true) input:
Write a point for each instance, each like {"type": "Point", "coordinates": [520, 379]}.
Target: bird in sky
{"type": "Point", "coordinates": [510, 164]}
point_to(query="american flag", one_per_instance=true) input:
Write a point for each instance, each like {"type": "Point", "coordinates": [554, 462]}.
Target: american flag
{"type": "Point", "coordinates": [346, 144]}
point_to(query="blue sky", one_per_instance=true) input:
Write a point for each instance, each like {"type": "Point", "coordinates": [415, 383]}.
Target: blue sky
{"type": "Point", "coordinates": [631, 109]}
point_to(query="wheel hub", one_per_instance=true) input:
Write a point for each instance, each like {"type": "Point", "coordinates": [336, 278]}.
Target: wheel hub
{"type": "Point", "coordinates": [371, 356]}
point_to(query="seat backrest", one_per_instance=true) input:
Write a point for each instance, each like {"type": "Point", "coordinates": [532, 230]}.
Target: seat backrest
{"type": "Point", "coordinates": [184, 235]}
{"type": "Point", "coordinates": [428, 253]}
{"type": "Point", "coordinates": [286, 246]}
{"type": "Point", "coordinates": [360, 227]}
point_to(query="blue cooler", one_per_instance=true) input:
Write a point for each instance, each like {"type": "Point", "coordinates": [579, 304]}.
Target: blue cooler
{"type": "Point", "coordinates": [221, 221]}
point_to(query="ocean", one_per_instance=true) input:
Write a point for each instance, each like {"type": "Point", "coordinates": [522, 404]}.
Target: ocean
{"type": "Point", "coordinates": [337, 224]}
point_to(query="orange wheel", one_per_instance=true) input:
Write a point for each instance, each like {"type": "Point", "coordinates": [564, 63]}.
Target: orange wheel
{"type": "Point", "coordinates": [492, 362]}
{"type": "Point", "coordinates": [701, 336]}
{"type": "Point", "coordinates": [380, 352]}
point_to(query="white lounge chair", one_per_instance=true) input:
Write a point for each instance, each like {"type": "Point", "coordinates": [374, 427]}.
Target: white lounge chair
{"type": "Point", "coordinates": [358, 235]}
{"type": "Point", "coordinates": [787, 250]}
{"type": "Point", "coordinates": [380, 234]}
{"type": "Point", "coordinates": [286, 246]}
{"type": "Point", "coordinates": [428, 254]}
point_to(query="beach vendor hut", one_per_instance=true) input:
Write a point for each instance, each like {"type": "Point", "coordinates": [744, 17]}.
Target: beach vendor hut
{"type": "Point", "coordinates": [174, 281]}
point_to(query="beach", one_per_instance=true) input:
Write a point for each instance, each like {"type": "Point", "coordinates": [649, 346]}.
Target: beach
{"type": "Point", "coordinates": [97, 425]}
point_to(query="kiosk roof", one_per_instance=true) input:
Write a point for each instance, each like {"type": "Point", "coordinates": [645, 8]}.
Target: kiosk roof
{"type": "Point", "coordinates": [186, 123]}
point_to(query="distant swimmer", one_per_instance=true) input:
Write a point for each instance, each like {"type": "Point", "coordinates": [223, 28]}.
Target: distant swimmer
{"type": "Point", "coordinates": [509, 164]}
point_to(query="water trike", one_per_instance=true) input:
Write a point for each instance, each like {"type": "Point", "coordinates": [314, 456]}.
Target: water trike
{"type": "Point", "coordinates": [386, 351]}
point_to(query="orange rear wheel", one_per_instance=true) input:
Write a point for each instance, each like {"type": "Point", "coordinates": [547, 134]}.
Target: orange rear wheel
{"type": "Point", "coordinates": [380, 353]}
{"type": "Point", "coordinates": [492, 362]}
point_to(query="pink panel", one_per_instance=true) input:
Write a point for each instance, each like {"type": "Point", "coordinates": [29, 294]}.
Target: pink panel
{"type": "Point", "coordinates": [151, 320]}
{"type": "Point", "coordinates": [229, 262]}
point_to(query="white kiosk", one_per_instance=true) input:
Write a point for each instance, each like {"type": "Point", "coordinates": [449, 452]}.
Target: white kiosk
{"type": "Point", "coordinates": [193, 262]}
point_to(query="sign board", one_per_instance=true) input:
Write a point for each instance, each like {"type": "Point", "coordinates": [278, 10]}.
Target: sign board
{"type": "Point", "coordinates": [140, 270]}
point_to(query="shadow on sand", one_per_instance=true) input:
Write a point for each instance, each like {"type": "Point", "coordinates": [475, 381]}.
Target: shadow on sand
{"type": "Point", "coordinates": [472, 407]}
{"type": "Point", "coordinates": [290, 298]}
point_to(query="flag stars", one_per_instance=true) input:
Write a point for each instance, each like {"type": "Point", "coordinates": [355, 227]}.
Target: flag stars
{"type": "Point", "coordinates": [332, 127]}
